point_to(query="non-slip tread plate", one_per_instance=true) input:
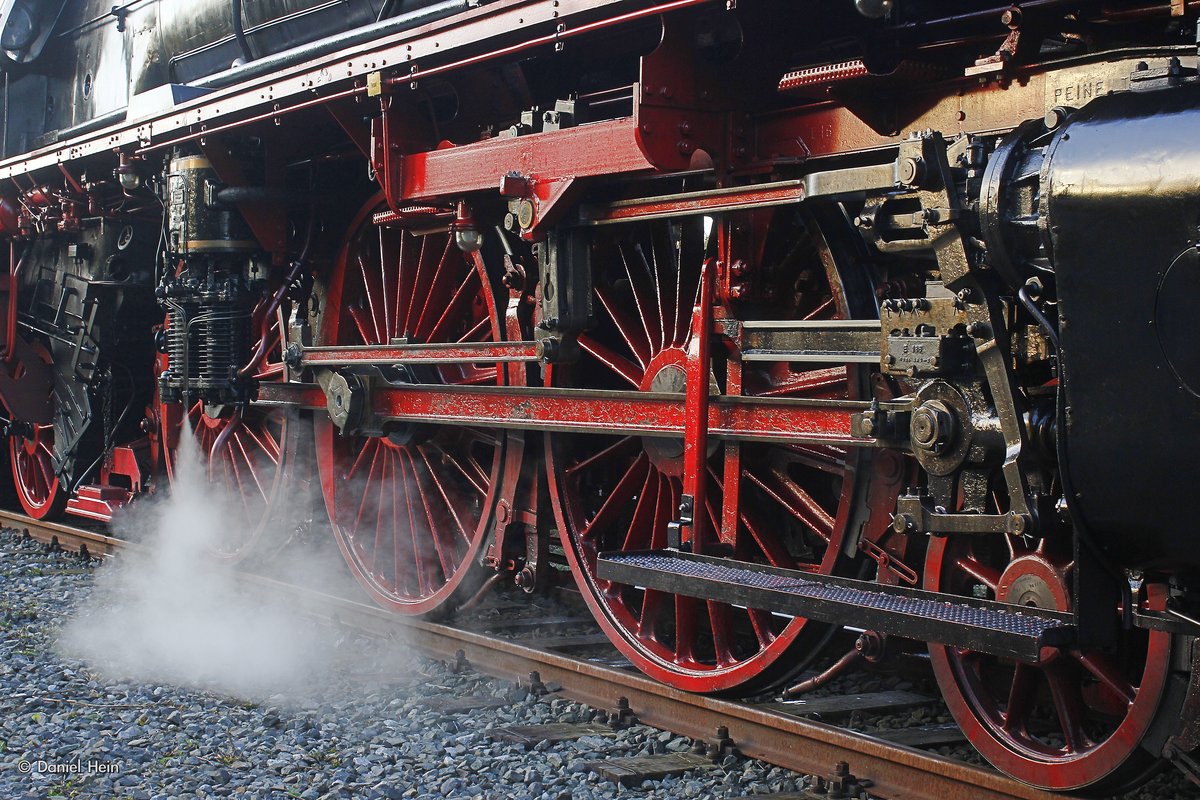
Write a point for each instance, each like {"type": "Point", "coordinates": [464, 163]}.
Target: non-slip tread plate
{"type": "Point", "coordinates": [943, 611]}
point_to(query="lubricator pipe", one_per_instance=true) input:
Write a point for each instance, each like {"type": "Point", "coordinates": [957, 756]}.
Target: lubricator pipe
{"type": "Point", "coordinates": [239, 30]}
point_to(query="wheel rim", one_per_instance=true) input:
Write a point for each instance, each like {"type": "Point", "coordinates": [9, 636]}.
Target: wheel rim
{"type": "Point", "coordinates": [1073, 720]}
{"type": "Point", "coordinates": [31, 456]}
{"type": "Point", "coordinates": [409, 510]}
{"type": "Point", "coordinates": [38, 487]}
{"type": "Point", "coordinates": [619, 493]}
{"type": "Point", "coordinates": [250, 454]}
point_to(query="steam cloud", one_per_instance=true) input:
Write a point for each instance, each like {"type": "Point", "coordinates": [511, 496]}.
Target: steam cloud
{"type": "Point", "coordinates": [168, 612]}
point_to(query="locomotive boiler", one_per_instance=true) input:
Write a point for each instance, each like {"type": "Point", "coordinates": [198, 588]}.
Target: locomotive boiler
{"type": "Point", "coordinates": [755, 317]}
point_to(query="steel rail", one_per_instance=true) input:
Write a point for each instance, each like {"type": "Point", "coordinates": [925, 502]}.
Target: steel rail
{"type": "Point", "coordinates": [68, 537]}
{"type": "Point", "coordinates": [798, 744]}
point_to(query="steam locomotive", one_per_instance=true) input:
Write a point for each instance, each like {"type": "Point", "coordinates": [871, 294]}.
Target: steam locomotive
{"type": "Point", "coordinates": [756, 317]}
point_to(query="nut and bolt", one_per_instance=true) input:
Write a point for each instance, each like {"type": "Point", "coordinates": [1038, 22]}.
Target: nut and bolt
{"type": "Point", "coordinates": [980, 330]}
{"type": "Point", "coordinates": [932, 426]}
{"type": "Point", "coordinates": [912, 170]}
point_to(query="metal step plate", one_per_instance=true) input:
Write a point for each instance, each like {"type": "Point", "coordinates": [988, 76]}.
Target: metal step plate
{"type": "Point", "coordinates": [1006, 630]}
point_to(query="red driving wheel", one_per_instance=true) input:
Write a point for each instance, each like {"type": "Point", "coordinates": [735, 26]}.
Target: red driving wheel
{"type": "Point", "coordinates": [410, 508]}
{"type": "Point", "coordinates": [1076, 719]}
{"type": "Point", "coordinates": [41, 493]}
{"type": "Point", "coordinates": [31, 456]}
{"type": "Point", "coordinates": [792, 505]}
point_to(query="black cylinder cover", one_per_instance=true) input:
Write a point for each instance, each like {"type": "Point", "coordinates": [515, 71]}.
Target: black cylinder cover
{"type": "Point", "coordinates": [1121, 192]}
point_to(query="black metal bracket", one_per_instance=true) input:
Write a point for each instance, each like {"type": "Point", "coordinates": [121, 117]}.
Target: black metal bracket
{"type": "Point", "coordinates": [915, 513]}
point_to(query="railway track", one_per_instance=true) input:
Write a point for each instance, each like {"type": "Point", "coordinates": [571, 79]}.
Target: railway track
{"type": "Point", "coordinates": [883, 769]}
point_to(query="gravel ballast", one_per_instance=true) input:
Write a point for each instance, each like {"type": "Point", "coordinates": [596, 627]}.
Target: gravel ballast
{"type": "Point", "coordinates": [356, 729]}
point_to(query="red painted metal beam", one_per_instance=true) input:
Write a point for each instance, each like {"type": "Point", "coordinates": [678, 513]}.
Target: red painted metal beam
{"type": "Point", "coordinates": [465, 352]}
{"type": "Point", "coordinates": [621, 413]}
{"type": "Point", "coordinates": [737, 198]}
{"type": "Point", "coordinates": [602, 148]}
{"type": "Point", "coordinates": [584, 410]}
{"type": "Point", "coordinates": [696, 408]}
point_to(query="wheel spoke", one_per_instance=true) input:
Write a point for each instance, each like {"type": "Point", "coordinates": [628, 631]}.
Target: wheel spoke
{"type": "Point", "coordinates": [631, 333]}
{"type": "Point", "coordinates": [819, 456]}
{"type": "Point", "coordinates": [371, 291]}
{"type": "Point", "coordinates": [416, 535]}
{"type": "Point", "coordinates": [770, 546]}
{"type": "Point", "coordinates": [795, 500]}
{"type": "Point", "coordinates": [653, 601]}
{"type": "Point", "coordinates": [434, 295]}
{"type": "Point", "coordinates": [641, 527]}
{"type": "Point", "coordinates": [622, 447]}
{"type": "Point", "coordinates": [367, 449]}
{"type": "Point", "coordinates": [446, 552]}
{"type": "Point", "coordinates": [686, 611]}
{"type": "Point", "coordinates": [454, 504]}
{"type": "Point", "coordinates": [459, 302]}
{"type": "Point", "coordinates": [661, 270]}
{"type": "Point", "coordinates": [481, 331]}
{"type": "Point", "coordinates": [623, 367]}
{"type": "Point", "coordinates": [363, 325]}
{"type": "Point", "coordinates": [618, 498]}
{"type": "Point", "coordinates": [238, 440]}
{"type": "Point", "coordinates": [367, 494]}
{"type": "Point", "coordinates": [986, 575]}
{"type": "Point", "coordinates": [825, 309]}
{"type": "Point", "coordinates": [641, 302]}
{"type": "Point", "coordinates": [722, 632]}
{"type": "Point", "coordinates": [761, 622]}
{"type": "Point", "coordinates": [818, 383]}
{"type": "Point", "coordinates": [263, 439]}
{"type": "Point", "coordinates": [1021, 695]}
{"type": "Point", "coordinates": [1102, 667]}
{"type": "Point", "coordinates": [389, 279]}
{"type": "Point", "coordinates": [470, 471]}
{"type": "Point", "coordinates": [1068, 707]}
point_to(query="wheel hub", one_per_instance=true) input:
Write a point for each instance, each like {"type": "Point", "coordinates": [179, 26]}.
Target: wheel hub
{"type": "Point", "coordinates": [667, 374]}
{"type": "Point", "coordinates": [666, 453]}
{"type": "Point", "coordinates": [1037, 582]}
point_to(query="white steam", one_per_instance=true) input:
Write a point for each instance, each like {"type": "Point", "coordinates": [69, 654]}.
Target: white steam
{"type": "Point", "coordinates": [168, 612]}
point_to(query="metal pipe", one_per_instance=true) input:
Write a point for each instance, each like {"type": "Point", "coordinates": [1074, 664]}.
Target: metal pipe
{"type": "Point", "coordinates": [96, 123]}
{"type": "Point", "coordinates": [218, 444]}
{"type": "Point", "coordinates": [482, 593]}
{"type": "Point", "coordinates": [14, 268]}
{"type": "Point", "coordinates": [816, 681]}
{"type": "Point", "coordinates": [277, 299]}
{"type": "Point", "coordinates": [239, 30]}
{"type": "Point", "coordinates": [330, 44]}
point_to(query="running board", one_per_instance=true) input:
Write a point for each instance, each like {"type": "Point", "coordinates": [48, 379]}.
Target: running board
{"type": "Point", "coordinates": [980, 625]}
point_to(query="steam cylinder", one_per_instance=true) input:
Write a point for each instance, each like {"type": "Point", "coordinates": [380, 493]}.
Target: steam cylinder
{"type": "Point", "coordinates": [1121, 193]}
